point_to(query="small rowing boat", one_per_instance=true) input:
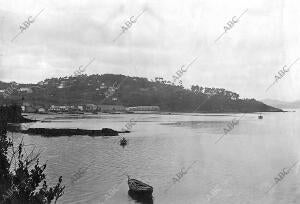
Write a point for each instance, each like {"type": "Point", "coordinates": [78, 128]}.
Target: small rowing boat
{"type": "Point", "coordinates": [140, 198]}
{"type": "Point", "coordinates": [123, 141]}
{"type": "Point", "coordinates": [138, 187]}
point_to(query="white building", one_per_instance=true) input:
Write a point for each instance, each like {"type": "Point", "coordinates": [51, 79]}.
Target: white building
{"type": "Point", "coordinates": [90, 107]}
{"type": "Point", "coordinates": [54, 108]}
{"type": "Point", "coordinates": [111, 108]}
{"type": "Point", "coordinates": [24, 89]}
{"type": "Point", "coordinates": [145, 109]}
{"type": "Point", "coordinates": [42, 110]}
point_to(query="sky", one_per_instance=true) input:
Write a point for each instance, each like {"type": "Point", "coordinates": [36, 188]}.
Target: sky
{"type": "Point", "coordinates": [169, 34]}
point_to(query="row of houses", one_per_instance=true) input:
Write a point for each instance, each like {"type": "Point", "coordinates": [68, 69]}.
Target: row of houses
{"type": "Point", "coordinates": [33, 109]}
{"type": "Point", "coordinates": [89, 108]}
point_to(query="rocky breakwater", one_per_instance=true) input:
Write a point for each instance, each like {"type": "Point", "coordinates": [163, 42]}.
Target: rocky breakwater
{"type": "Point", "coordinates": [51, 132]}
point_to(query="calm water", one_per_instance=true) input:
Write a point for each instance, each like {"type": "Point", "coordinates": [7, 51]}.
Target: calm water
{"type": "Point", "coordinates": [240, 168]}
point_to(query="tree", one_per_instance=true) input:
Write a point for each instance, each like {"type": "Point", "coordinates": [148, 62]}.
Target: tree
{"type": "Point", "coordinates": [195, 89]}
{"type": "Point", "coordinates": [20, 181]}
{"type": "Point", "coordinates": [201, 89]}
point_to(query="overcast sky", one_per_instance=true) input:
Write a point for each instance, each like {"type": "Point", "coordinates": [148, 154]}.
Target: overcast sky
{"type": "Point", "coordinates": [166, 36]}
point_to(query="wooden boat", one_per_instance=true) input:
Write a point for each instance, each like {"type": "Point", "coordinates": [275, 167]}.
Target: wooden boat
{"type": "Point", "coordinates": [138, 187]}
{"type": "Point", "coordinates": [123, 141]}
{"type": "Point", "coordinates": [140, 198]}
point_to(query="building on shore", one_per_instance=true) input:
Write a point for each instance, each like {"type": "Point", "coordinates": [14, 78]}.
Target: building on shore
{"type": "Point", "coordinates": [80, 108]}
{"type": "Point", "coordinates": [54, 108]}
{"type": "Point", "coordinates": [72, 108]}
{"type": "Point", "coordinates": [28, 109]}
{"type": "Point", "coordinates": [90, 107]}
{"type": "Point", "coordinates": [111, 108]}
{"type": "Point", "coordinates": [143, 109]}
{"type": "Point", "coordinates": [41, 110]}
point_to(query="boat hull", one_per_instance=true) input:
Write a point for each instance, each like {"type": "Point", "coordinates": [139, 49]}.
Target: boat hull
{"type": "Point", "coordinates": [139, 187]}
{"type": "Point", "coordinates": [140, 198]}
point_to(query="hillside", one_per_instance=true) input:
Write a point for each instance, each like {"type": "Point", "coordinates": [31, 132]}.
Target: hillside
{"type": "Point", "coordinates": [282, 104]}
{"type": "Point", "coordinates": [131, 91]}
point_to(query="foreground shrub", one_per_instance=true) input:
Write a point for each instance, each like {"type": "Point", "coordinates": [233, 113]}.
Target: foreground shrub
{"type": "Point", "coordinates": [22, 178]}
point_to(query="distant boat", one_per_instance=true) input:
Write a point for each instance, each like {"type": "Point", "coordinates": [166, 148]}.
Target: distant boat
{"type": "Point", "coordinates": [138, 187]}
{"type": "Point", "coordinates": [123, 141]}
{"type": "Point", "coordinates": [260, 117]}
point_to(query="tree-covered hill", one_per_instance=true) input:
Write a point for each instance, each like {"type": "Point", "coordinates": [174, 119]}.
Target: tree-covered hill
{"type": "Point", "coordinates": [131, 91]}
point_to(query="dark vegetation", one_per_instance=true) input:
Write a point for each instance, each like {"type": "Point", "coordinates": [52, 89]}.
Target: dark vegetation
{"type": "Point", "coordinates": [12, 114]}
{"type": "Point", "coordinates": [22, 178]}
{"type": "Point", "coordinates": [133, 91]}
